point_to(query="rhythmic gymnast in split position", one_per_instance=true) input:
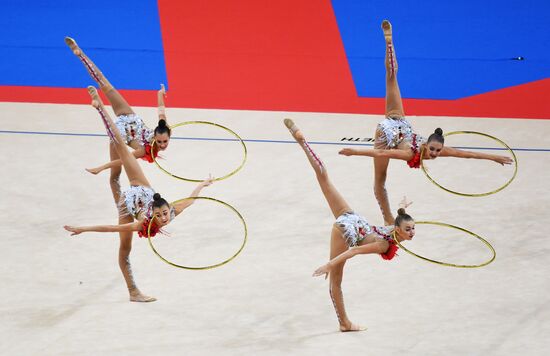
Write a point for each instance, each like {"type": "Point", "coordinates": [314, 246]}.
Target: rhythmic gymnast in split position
{"type": "Point", "coordinates": [131, 127]}
{"type": "Point", "coordinates": [138, 202]}
{"type": "Point", "coordinates": [395, 138]}
{"type": "Point", "coordinates": [351, 234]}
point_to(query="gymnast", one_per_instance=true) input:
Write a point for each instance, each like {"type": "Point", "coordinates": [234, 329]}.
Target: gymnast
{"type": "Point", "coordinates": [351, 234]}
{"type": "Point", "coordinates": [138, 202]}
{"type": "Point", "coordinates": [395, 138]}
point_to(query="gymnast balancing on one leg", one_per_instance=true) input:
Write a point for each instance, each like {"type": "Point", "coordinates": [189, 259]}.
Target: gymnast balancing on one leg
{"type": "Point", "coordinates": [395, 139]}
{"type": "Point", "coordinates": [132, 128]}
{"type": "Point", "coordinates": [138, 202]}
{"type": "Point", "coordinates": [351, 234]}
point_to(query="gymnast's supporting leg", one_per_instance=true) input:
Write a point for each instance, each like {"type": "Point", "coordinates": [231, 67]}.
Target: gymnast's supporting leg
{"type": "Point", "coordinates": [119, 104]}
{"type": "Point", "coordinates": [338, 246]}
{"type": "Point", "coordinates": [380, 174]}
{"type": "Point", "coordinates": [124, 263]}
{"type": "Point", "coordinates": [114, 179]}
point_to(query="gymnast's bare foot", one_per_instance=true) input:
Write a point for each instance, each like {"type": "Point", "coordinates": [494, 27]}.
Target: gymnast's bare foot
{"type": "Point", "coordinates": [73, 46]}
{"type": "Point", "coordinates": [386, 27]}
{"type": "Point", "coordinates": [95, 97]}
{"type": "Point", "coordinates": [294, 130]}
{"type": "Point", "coordinates": [136, 296]}
{"type": "Point", "coordinates": [94, 171]}
{"type": "Point", "coordinates": [351, 327]}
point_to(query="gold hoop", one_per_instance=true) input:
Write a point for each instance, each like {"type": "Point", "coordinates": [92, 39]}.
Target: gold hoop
{"type": "Point", "coordinates": [473, 194]}
{"type": "Point", "coordinates": [209, 266]}
{"type": "Point", "coordinates": [446, 263]}
{"type": "Point", "coordinates": [245, 152]}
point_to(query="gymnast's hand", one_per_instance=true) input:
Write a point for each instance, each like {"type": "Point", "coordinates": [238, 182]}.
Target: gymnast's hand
{"type": "Point", "coordinates": [347, 151]}
{"type": "Point", "coordinates": [162, 90]}
{"type": "Point", "coordinates": [208, 181]}
{"type": "Point", "coordinates": [404, 203]}
{"type": "Point", "coordinates": [73, 229]}
{"type": "Point", "coordinates": [503, 160]}
{"type": "Point", "coordinates": [324, 269]}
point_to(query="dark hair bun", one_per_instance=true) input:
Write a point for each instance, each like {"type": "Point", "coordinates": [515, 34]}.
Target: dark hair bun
{"type": "Point", "coordinates": [162, 123]}
{"type": "Point", "coordinates": [156, 197]}
{"type": "Point", "coordinates": [438, 131]}
{"type": "Point", "coordinates": [401, 211]}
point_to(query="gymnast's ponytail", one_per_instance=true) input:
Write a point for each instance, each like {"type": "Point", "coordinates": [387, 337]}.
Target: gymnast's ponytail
{"type": "Point", "coordinates": [162, 128]}
{"type": "Point", "coordinates": [437, 136]}
{"type": "Point", "coordinates": [158, 201]}
{"type": "Point", "coordinates": [402, 216]}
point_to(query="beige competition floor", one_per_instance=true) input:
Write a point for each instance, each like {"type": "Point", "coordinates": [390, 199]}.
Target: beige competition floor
{"type": "Point", "coordinates": [64, 295]}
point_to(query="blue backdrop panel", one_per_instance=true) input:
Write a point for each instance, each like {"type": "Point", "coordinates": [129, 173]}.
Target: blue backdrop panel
{"type": "Point", "coordinates": [122, 37]}
{"type": "Point", "coordinates": [446, 49]}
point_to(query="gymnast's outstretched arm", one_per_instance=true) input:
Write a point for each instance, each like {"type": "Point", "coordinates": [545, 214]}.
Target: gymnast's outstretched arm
{"type": "Point", "coordinates": [373, 247]}
{"type": "Point", "coordinates": [404, 155]}
{"type": "Point", "coordinates": [138, 153]}
{"type": "Point", "coordinates": [133, 226]}
{"type": "Point", "coordinates": [161, 94]}
{"type": "Point", "coordinates": [455, 152]}
{"type": "Point", "coordinates": [179, 207]}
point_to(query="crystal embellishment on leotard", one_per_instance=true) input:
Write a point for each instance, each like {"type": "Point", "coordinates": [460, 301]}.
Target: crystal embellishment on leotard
{"type": "Point", "coordinates": [385, 233]}
{"type": "Point", "coordinates": [136, 201]}
{"type": "Point", "coordinates": [415, 147]}
{"type": "Point", "coordinates": [354, 228]}
{"type": "Point", "coordinates": [132, 127]}
{"type": "Point", "coordinates": [393, 131]}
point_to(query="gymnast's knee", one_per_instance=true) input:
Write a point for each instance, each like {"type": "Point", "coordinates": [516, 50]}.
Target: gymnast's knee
{"type": "Point", "coordinates": [336, 279]}
{"type": "Point", "coordinates": [124, 250]}
{"type": "Point", "coordinates": [380, 177]}
{"type": "Point", "coordinates": [379, 183]}
{"type": "Point", "coordinates": [335, 285]}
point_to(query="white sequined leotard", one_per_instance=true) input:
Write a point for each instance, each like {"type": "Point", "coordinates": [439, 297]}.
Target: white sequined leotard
{"type": "Point", "coordinates": [132, 127]}
{"type": "Point", "coordinates": [137, 201]}
{"type": "Point", "coordinates": [355, 228]}
{"type": "Point", "coordinates": [393, 131]}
